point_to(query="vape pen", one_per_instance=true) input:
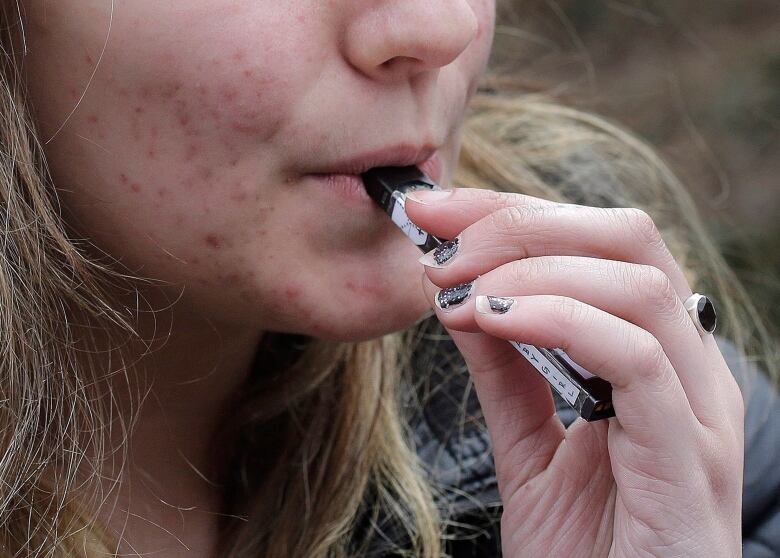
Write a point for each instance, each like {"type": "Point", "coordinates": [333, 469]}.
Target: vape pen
{"type": "Point", "coordinates": [588, 394]}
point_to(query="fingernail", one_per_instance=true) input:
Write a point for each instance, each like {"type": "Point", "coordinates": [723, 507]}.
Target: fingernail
{"type": "Point", "coordinates": [441, 254]}
{"type": "Point", "coordinates": [450, 297]}
{"type": "Point", "coordinates": [487, 304]}
{"type": "Point", "coordinates": [428, 197]}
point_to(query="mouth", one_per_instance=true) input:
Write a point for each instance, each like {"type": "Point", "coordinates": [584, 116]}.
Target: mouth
{"type": "Point", "coordinates": [344, 176]}
{"type": "Point", "coordinates": [400, 155]}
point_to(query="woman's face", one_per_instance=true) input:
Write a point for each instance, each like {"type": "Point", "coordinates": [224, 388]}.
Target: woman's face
{"type": "Point", "coordinates": [186, 147]}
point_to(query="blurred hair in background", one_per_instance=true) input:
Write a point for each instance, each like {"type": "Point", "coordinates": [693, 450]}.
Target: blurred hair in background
{"type": "Point", "coordinates": [700, 79]}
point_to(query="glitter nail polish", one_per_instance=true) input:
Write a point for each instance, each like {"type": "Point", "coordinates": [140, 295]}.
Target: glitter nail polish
{"type": "Point", "coordinates": [446, 251]}
{"type": "Point", "coordinates": [441, 254]}
{"type": "Point", "coordinates": [494, 304]}
{"type": "Point", "coordinates": [453, 296]}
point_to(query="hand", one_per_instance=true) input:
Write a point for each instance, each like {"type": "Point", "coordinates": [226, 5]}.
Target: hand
{"type": "Point", "coordinates": [663, 477]}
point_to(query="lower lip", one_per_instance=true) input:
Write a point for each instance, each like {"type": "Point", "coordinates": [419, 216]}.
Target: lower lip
{"type": "Point", "coordinates": [351, 185]}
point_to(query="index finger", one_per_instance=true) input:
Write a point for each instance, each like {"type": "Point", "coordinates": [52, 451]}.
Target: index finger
{"type": "Point", "coordinates": [464, 206]}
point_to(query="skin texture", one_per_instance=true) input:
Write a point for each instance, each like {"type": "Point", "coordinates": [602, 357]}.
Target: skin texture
{"type": "Point", "coordinates": [179, 138]}
{"type": "Point", "coordinates": [186, 154]}
{"type": "Point", "coordinates": [185, 158]}
{"type": "Point", "coordinates": [662, 478]}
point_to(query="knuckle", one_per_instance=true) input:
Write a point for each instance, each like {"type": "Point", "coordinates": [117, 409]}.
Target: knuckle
{"type": "Point", "coordinates": [722, 468]}
{"type": "Point", "coordinates": [499, 200]}
{"type": "Point", "coordinates": [724, 489]}
{"type": "Point", "coordinates": [527, 271]}
{"type": "Point", "coordinates": [649, 355]}
{"type": "Point", "coordinates": [643, 227]}
{"type": "Point", "coordinates": [729, 420]}
{"type": "Point", "coordinates": [654, 288]}
{"type": "Point", "coordinates": [514, 221]}
{"type": "Point", "coordinates": [735, 401]}
{"type": "Point", "coordinates": [729, 430]}
{"type": "Point", "coordinates": [520, 272]}
{"type": "Point", "coordinates": [570, 313]}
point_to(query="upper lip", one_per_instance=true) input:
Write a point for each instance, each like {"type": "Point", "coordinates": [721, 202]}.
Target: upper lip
{"type": "Point", "coordinates": [400, 155]}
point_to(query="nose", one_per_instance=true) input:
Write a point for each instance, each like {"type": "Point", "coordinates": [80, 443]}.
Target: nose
{"type": "Point", "coordinates": [402, 38]}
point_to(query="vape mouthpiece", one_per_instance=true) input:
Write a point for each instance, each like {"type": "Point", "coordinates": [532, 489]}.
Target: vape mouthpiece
{"type": "Point", "coordinates": [388, 186]}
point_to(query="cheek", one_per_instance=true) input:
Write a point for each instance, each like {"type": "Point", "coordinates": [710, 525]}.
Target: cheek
{"type": "Point", "coordinates": [227, 104]}
{"type": "Point", "coordinates": [223, 97]}
{"type": "Point", "coordinates": [171, 165]}
{"type": "Point", "coordinates": [183, 151]}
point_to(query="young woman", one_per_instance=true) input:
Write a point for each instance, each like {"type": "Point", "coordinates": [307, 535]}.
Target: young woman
{"type": "Point", "coordinates": [214, 344]}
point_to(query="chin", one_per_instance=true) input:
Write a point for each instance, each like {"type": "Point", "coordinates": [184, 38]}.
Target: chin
{"type": "Point", "coordinates": [375, 320]}
{"type": "Point", "coordinates": [351, 334]}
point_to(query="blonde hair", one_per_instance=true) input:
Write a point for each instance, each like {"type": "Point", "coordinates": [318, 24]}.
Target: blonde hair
{"type": "Point", "coordinates": [319, 441]}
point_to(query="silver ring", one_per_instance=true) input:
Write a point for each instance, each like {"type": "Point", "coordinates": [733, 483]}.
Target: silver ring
{"type": "Point", "coordinates": [702, 311]}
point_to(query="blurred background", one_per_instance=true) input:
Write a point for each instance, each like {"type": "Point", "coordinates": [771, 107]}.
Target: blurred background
{"type": "Point", "coordinates": [700, 80]}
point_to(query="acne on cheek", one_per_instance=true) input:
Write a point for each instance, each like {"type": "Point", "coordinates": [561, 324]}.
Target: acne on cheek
{"type": "Point", "coordinates": [238, 192]}
{"type": "Point", "coordinates": [236, 99]}
{"type": "Point", "coordinates": [228, 94]}
{"type": "Point", "coordinates": [215, 241]}
{"type": "Point", "coordinates": [198, 127]}
{"type": "Point", "coordinates": [191, 151]}
{"type": "Point", "coordinates": [134, 187]}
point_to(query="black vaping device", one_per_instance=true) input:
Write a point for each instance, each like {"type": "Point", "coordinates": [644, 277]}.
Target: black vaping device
{"type": "Point", "coordinates": [588, 394]}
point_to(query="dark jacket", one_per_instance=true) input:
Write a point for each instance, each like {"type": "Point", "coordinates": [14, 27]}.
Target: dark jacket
{"type": "Point", "coordinates": [453, 443]}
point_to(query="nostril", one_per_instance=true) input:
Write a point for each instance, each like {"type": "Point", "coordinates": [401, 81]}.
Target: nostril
{"type": "Point", "coordinates": [395, 61]}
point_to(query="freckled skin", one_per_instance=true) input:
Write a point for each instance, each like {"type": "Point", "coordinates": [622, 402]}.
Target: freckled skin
{"type": "Point", "coordinates": [217, 112]}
